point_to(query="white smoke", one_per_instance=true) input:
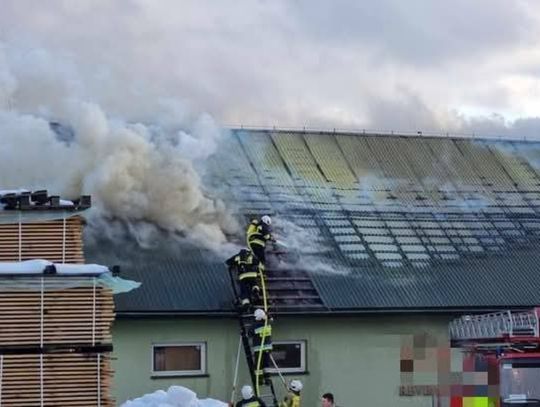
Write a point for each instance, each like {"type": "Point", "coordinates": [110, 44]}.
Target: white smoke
{"type": "Point", "coordinates": [136, 172]}
{"type": "Point", "coordinates": [305, 249]}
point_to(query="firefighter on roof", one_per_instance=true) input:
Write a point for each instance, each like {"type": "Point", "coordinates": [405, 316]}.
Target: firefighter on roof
{"type": "Point", "coordinates": [292, 399]}
{"type": "Point", "coordinates": [257, 234]}
{"type": "Point", "coordinates": [262, 344]}
{"type": "Point", "coordinates": [249, 399]}
{"type": "Point", "coordinates": [247, 268]}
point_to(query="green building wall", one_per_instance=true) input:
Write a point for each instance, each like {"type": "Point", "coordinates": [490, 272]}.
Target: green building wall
{"type": "Point", "coordinates": [356, 358]}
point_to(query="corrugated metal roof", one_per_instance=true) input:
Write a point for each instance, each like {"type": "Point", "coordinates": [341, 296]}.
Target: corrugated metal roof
{"type": "Point", "coordinates": [175, 277]}
{"type": "Point", "coordinates": [406, 222]}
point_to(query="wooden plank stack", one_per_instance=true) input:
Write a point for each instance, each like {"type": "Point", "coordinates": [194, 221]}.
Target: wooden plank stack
{"type": "Point", "coordinates": [80, 314]}
{"type": "Point", "coordinates": [55, 330]}
{"type": "Point", "coordinates": [59, 241]}
{"type": "Point", "coordinates": [56, 379]}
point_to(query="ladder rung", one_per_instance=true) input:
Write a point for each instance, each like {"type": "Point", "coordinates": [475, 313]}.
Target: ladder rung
{"type": "Point", "coordinates": [294, 297]}
{"type": "Point", "coordinates": [281, 307]}
{"type": "Point", "coordinates": [288, 279]}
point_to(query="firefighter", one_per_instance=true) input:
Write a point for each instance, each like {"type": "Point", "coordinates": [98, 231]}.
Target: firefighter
{"type": "Point", "coordinates": [292, 399]}
{"type": "Point", "coordinates": [247, 268]}
{"type": "Point", "coordinates": [261, 333]}
{"type": "Point", "coordinates": [249, 399]}
{"type": "Point", "coordinates": [257, 234]}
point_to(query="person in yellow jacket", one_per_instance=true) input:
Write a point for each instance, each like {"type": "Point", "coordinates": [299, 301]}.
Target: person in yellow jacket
{"type": "Point", "coordinates": [261, 334]}
{"type": "Point", "coordinates": [293, 399]}
{"type": "Point", "coordinates": [246, 266]}
{"type": "Point", "coordinates": [257, 234]}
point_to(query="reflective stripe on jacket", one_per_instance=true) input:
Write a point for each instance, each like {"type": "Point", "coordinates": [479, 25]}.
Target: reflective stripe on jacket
{"type": "Point", "coordinates": [291, 400]}
{"type": "Point", "coordinates": [257, 233]}
{"type": "Point", "coordinates": [247, 266]}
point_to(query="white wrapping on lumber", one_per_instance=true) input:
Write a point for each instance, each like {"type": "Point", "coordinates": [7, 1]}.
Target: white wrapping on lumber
{"type": "Point", "coordinates": [38, 267]}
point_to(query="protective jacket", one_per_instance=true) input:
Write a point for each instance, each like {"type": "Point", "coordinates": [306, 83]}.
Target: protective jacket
{"type": "Point", "coordinates": [246, 264]}
{"type": "Point", "coordinates": [262, 336]}
{"type": "Point", "coordinates": [258, 233]}
{"type": "Point", "coordinates": [292, 399]}
{"type": "Point", "coordinates": [252, 402]}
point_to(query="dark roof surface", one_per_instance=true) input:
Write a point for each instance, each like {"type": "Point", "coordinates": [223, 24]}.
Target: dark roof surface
{"type": "Point", "coordinates": [175, 277]}
{"type": "Point", "coordinates": [378, 222]}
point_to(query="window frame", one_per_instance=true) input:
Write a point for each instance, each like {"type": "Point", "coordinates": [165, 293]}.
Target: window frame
{"type": "Point", "coordinates": [175, 373]}
{"type": "Point", "coordinates": [303, 357]}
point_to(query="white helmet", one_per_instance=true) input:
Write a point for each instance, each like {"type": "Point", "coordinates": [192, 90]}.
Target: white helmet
{"type": "Point", "coordinates": [296, 385]}
{"type": "Point", "coordinates": [247, 392]}
{"type": "Point", "coordinates": [266, 220]}
{"type": "Point", "coordinates": [259, 314]}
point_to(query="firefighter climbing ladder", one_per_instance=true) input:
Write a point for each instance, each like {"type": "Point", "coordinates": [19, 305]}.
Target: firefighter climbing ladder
{"type": "Point", "coordinates": [506, 325]}
{"type": "Point", "coordinates": [254, 360]}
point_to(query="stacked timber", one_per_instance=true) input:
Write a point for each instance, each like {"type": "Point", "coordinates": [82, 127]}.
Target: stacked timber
{"type": "Point", "coordinates": [57, 240]}
{"type": "Point", "coordinates": [55, 310]}
{"type": "Point", "coordinates": [56, 379]}
{"type": "Point", "coordinates": [55, 329]}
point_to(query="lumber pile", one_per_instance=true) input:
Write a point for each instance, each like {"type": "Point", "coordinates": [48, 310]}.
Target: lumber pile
{"type": "Point", "coordinates": [58, 241]}
{"type": "Point", "coordinates": [55, 330]}
{"type": "Point", "coordinates": [79, 315]}
{"type": "Point", "coordinates": [58, 379]}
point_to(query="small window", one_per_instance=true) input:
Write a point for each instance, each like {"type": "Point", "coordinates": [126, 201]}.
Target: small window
{"type": "Point", "coordinates": [290, 356]}
{"type": "Point", "coordinates": [186, 359]}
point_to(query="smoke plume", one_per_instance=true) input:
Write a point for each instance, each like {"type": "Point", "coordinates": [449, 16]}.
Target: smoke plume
{"type": "Point", "coordinates": [140, 168]}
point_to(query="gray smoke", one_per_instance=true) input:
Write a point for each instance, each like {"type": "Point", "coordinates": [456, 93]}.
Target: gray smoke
{"type": "Point", "coordinates": [142, 174]}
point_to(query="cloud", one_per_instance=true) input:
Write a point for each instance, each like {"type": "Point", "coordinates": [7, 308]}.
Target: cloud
{"type": "Point", "coordinates": [416, 32]}
{"type": "Point", "coordinates": [345, 64]}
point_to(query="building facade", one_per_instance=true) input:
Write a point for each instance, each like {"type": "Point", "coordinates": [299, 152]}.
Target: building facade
{"type": "Point", "coordinates": [358, 358]}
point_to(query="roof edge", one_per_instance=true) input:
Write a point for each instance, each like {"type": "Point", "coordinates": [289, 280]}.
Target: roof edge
{"type": "Point", "coordinates": [344, 312]}
{"type": "Point", "coordinates": [386, 133]}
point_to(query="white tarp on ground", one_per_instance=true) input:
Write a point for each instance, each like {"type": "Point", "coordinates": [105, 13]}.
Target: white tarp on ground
{"type": "Point", "coordinates": [176, 396]}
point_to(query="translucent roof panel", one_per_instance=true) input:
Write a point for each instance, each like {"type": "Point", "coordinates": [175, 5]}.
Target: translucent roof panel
{"type": "Point", "coordinates": [373, 231]}
{"type": "Point", "coordinates": [353, 247]}
{"type": "Point", "coordinates": [342, 231]}
{"type": "Point", "coordinates": [347, 238]}
{"type": "Point", "coordinates": [407, 240]}
{"type": "Point", "coordinates": [378, 239]}
{"type": "Point", "coordinates": [418, 256]}
{"type": "Point", "coordinates": [388, 256]}
{"type": "Point", "coordinates": [383, 247]}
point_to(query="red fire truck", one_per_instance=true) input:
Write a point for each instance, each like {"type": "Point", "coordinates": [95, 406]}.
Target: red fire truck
{"type": "Point", "coordinates": [506, 347]}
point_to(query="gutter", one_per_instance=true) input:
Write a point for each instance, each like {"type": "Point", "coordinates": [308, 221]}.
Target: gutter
{"type": "Point", "coordinates": [318, 313]}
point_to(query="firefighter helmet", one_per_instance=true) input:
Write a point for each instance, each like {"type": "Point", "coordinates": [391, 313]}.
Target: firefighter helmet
{"type": "Point", "coordinates": [296, 385]}
{"type": "Point", "coordinates": [247, 392]}
{"type": "Point", "coordinates": [267, 220]}
{"type": "Point", "coordinates": [259, 314]}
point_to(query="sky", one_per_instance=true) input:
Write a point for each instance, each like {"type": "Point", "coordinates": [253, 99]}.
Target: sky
{"type": "Point", "coordinates": [461, 66]}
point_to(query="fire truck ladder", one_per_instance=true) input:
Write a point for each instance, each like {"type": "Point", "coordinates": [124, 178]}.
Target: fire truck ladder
{"type": "Point", "coordinates": [502, 326]}
{"type": "Point", "coordinates": [253, 362]}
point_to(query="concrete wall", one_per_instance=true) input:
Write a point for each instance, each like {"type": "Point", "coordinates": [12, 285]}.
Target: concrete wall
{"type": "Point", "coordinates": [357, 358]}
